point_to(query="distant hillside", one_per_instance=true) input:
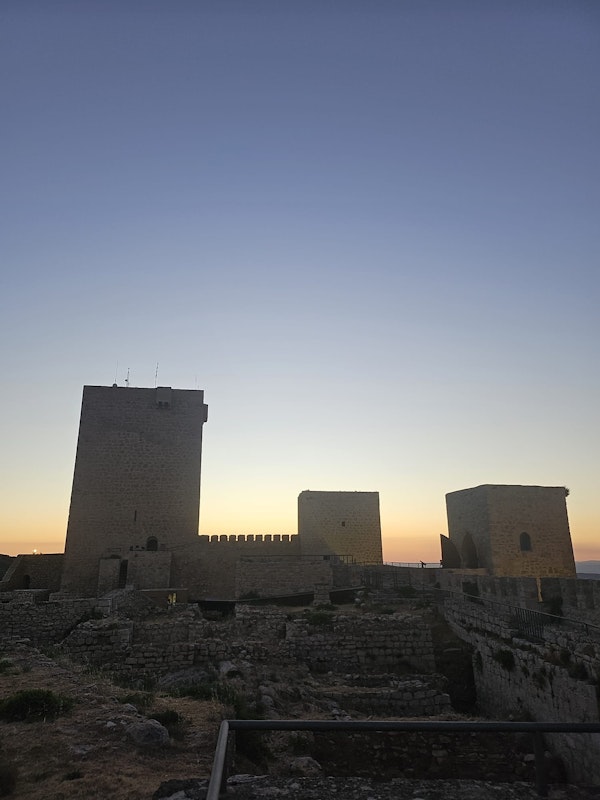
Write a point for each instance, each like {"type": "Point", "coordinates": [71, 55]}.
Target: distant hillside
{"type": "Point", "coordinates": [587, 567]}
{"type": "Point", "coordinates": [4, 564]}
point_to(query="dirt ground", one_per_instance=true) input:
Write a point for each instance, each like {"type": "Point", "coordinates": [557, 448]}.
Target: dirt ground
{"type": "Point", "coordinates": [86, 753]}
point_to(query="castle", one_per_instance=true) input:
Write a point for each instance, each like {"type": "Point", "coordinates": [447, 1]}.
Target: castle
{"type": "Point", "coordinates": [133, 518]}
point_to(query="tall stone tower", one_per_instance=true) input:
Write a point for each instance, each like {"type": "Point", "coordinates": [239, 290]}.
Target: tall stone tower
{"type": "Point", "coordinates": [136, 484]}
{"type": "Point", "coordinates": [510, 531]}
{"type": "Point", "coordinates": [344, 523]}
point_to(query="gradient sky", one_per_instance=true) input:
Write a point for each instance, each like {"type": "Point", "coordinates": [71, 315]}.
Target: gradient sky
{"type": "Point", "coordinates": [368, 230]}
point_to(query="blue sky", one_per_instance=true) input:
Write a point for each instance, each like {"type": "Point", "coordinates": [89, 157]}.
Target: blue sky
{"type": "Point", "coordinates": [367, 230]}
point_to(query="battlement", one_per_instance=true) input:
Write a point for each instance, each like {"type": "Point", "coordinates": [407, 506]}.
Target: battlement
{"type": "Point", "coordinates": [250, 538]}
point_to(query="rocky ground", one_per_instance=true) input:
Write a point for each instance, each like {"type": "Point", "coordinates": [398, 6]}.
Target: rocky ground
{"type": "Point", "coordinates": [107, 744]}
{"type": "Point", "coordinates": [251, 787]}
{"type": "Point", "coordinates": [97, 750]}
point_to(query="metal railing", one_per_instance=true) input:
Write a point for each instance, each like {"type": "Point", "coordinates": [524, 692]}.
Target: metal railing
{"type": "Point", "coordinates": [528, 621]}
{"type": "Point", "coordinates": [218, 778]}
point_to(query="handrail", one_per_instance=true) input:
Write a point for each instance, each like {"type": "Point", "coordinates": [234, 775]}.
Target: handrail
{"type": "Point", "coordinates": [219, 772]}
{"type": "Point", "coordinates": [482, 599]}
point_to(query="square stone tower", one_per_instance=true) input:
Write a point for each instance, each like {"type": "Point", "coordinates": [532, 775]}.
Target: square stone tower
{"type": "Point", "coordinates": [510, 531]}
{"type": "Point", "coordinates": [344, 523]}
{"type": "Point", "coordinates": [136, 484]}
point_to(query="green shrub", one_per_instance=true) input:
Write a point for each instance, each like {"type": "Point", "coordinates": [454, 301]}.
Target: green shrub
{"type": "Point", "coordinates": [539, 678]}
{"type": "Point", "coordinates": [211, 690]}
{"type": "Point", "coordinates": [319, 619]}
{"type": "Point", "coordinates": [505, 658]}
{"type": "Point", "coordinates": [32, 704]}
{"type": "Point", "coordinates": [73, 775]}
{"type": "Point", "coordinates": [141, 700]}
{"type": "Point", "coordinates": [554, 605]}
{"type": "Point", "coordinates": [172, 721]}
{"type": "Point", "coordinates": [578, 671]}
{"type": "Point", "coordinates": [565, 656]}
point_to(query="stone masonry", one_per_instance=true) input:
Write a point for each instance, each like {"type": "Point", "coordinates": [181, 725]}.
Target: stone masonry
{"type": "Point", "coordinates": [137, 477]}
{"type": "Point", "coordinates": [345, 523]}
{"type": "Point", "coordinates": [510, 530]}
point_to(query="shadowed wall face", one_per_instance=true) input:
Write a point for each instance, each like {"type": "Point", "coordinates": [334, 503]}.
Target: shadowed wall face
{"type": "Point", "coordinates": [344, 523]}
{"type": "Point", "coordinates": [512, 530]}
{"type": "Point", "coordinates": [137, 477]}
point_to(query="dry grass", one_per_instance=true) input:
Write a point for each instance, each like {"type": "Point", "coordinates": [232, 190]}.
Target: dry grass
{"type": "Point", "coordinates": [86, 753]}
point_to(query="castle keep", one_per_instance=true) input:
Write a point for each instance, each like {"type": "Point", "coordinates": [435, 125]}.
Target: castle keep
{"type": "Point", "coordinates": [509, 530]}
{"type": "Point", "coordinates": [136, 482]}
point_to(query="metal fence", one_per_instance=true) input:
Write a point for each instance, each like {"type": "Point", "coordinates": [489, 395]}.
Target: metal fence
{"type": "Point", "coordinates": [218, 778]}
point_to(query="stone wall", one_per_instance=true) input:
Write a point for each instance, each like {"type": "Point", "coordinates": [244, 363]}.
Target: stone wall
{"type": "Point", "coordinates": [371, 642]}
{"type": "Point", "coordinates": [345, 523]}
{"type": "Point", "coordinates": [269, 576]}
{"type": "Point", "coordinates": [263, 635]}
{"type": "Point", "coordinates": [40, 571]}
{"type": "Point", "coordinates": [574, 598]}
{"type": "Point", "coordinates": [550, 679]}
{"type": "Point", "coordinates": [140, 568]}
{"type": "Point", "coordinates": [491, 757]}
{"type": "Point", "coordinates": [512, 530]}
{"type": "Point", "coordinates": [137, 476]}
{"type": "Point", "coordinates": [43, 623]}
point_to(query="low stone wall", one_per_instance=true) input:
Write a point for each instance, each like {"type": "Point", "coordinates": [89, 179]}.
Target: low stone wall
{"type": "Point", "coordinates": [41, 571]}
{"type": "Point", "coordinates": [502, 758]}
{"type": "Point", "coordinates": [341, 643]}
{"type": "Point", "coordinates": [347, 644]}
{"type": "Point", "coordinates": [43, 623]}
{"type": "Point", "coordinates": [409, 698]}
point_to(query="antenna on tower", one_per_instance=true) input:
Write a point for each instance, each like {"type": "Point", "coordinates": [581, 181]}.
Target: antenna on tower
{"type": "Point", "coordinates": [156, 375]}
{"type": "Point", "coordinates": [116, 371]}
{"type": "Point", "coordinates": [127, 378]}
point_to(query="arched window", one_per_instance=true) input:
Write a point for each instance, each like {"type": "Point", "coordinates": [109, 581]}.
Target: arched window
{"type": "Point", "coordinates": [152, 543]}
{"type": "Point", "coordinates": [525, 542]}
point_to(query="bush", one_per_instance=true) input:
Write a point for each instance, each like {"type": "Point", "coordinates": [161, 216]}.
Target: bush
{"type": "Point", "coordinates": [505, 658]}
{"type": "Point", "coordinates": [73, 775]}
{"type": "Point", "coordinates": [8, 778]}
{"type": "Point", "coordinates": [319, 619]}
{"type": "Point", "coordinates": [172, 721]}
{"type": "Point", "coordinates": [578, 671]}
{"type": "Point", "coordinates": [554, 605]}
{"type": "Point", "coordinates": [33, 704]}
{"type": "Point", "coordinates": [141, 700]}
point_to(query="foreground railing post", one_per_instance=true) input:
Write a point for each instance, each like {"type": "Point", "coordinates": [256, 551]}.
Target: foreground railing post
{"type": "Point", "coordinates": [218, 776]}
{"type": "Point", "coordinates": [541, 782]}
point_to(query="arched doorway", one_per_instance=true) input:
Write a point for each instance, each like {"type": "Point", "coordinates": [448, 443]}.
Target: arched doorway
{"type": "Point", "coordinates": [468, 553]}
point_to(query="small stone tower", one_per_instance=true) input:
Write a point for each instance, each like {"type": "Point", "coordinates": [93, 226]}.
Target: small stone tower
{"type": "Point", "coordinates": [344, 523]}
{"type": "Point", "coordinates": [136, 484]}
{"type": "Point", "coordinates": [510, 531]}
